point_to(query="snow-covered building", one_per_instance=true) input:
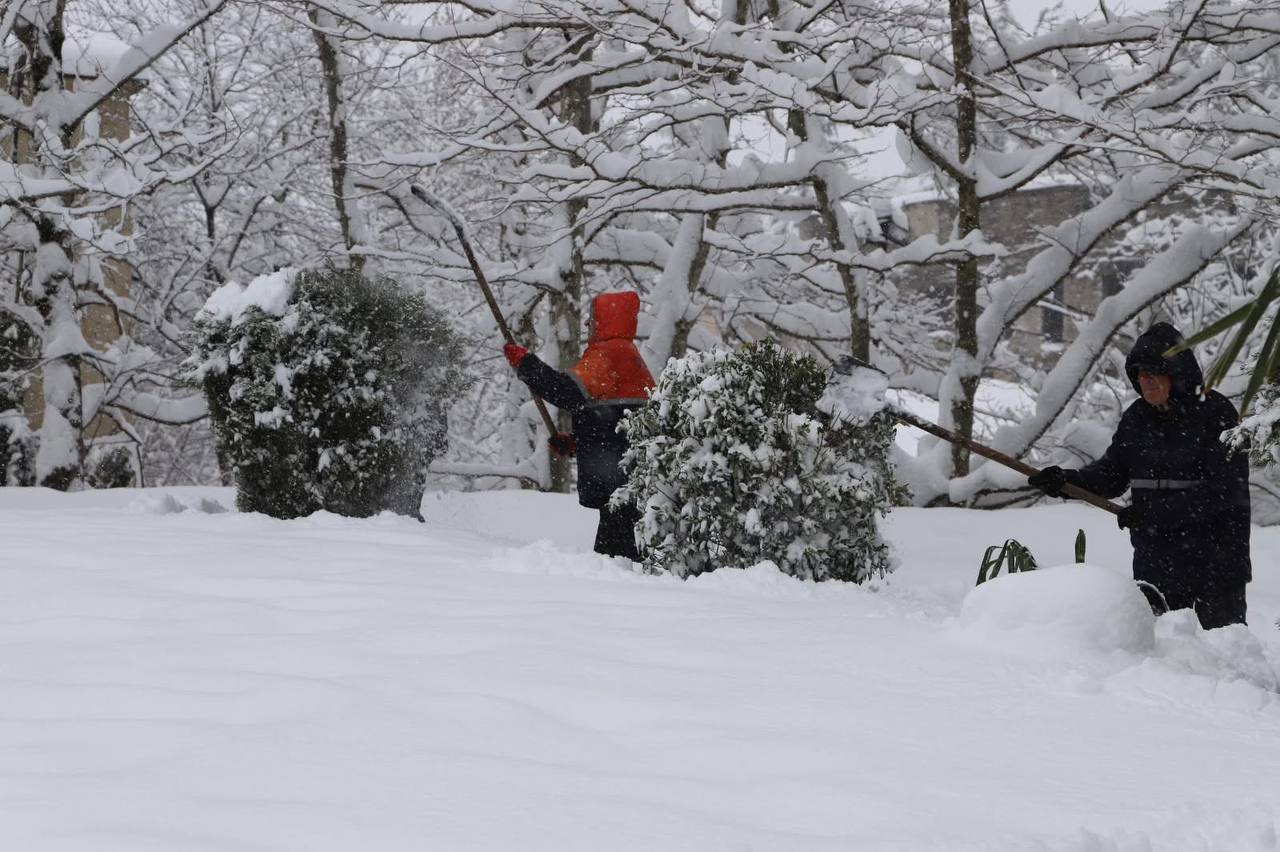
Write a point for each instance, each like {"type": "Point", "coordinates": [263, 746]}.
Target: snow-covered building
{"type": "Point", "coordinates": [1015, 221]}
{"type": "Point", "coordinates": [1012, 221]}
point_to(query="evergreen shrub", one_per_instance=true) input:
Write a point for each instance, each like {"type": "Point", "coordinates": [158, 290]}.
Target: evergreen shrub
{"type": "Point", "coordinates": [112, 468]}
{"type": "Point", "coordinates": [17, 450]}
{"type": "Point", "coordinates": [327, 389]}
{"type": "Point", "coordinates": [732, 462]}
{"type": "Point", "coordinates": [1259, 432]}
{"type": "Point", "coordinates": [18, 445]}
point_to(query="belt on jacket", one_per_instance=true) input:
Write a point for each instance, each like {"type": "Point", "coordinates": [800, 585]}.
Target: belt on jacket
{"type": "Point", "coordinates": [1165, 484]}
{"type": "Point", "coordinates": [600, 403]}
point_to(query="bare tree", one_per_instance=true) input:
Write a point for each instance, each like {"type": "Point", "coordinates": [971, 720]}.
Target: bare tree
{"type": "Point", "coordinates": [1140, 109]}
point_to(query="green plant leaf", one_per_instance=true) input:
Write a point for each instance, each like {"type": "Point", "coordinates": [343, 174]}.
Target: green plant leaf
{"type": "Point", "coordinates": [1268, 359]}
{"type": "Point", "coordinates": [1247, 317]}
{"type": "Point", "coordinates": [1219, 326]}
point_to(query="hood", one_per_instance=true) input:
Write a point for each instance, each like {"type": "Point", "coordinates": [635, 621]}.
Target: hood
{"type": "Point", "coordinates": [1149, 351]}
{"type": "Point", "coordinates": [613, 316]}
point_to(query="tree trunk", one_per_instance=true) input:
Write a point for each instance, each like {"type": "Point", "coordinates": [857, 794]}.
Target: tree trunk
{"type": "Point", "coordinates": [331, 67]}
{"type": "Point", "coordinates": [61, 454]}
{"type": "Point", "coordinates": [859, 320]}
{"type": "Point", "coordinates": [684, 324]}
{"type": "Point", "coordinates": [968, 218]}
{"type": "Point", "coordinates": [566, 305]}
{"type": "Point", "coordinates": [838, 234]}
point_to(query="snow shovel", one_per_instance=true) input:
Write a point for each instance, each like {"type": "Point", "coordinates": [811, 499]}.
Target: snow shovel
{"type": "Point", "coordinates": [460, 229]}
{"type": "Point", "coordinates": [845, 365]}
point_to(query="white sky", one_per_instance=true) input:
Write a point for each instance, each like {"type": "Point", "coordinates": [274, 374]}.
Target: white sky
{"type": "Point", "coordinates": [1027, 10]}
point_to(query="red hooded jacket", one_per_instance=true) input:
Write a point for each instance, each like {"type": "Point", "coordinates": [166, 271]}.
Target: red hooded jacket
{"type": "Point", "coordinates": [609, 379]}
{"type": "Point", "coordinates": [611, 368]}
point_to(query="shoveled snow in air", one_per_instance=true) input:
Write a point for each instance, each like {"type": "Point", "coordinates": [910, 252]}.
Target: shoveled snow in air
{"type": "Point", "coordinates": [178, 676]}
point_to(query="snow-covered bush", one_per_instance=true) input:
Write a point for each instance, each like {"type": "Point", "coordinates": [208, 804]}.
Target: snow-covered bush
{"type": "Point", "coordinates": [17, 449]}
{"type": "Point", "coordinates": [112, 467]}
{"type": "Point", "coordinates": [731, 462]}
{"type": "Point", "coordinates": [1260, 430]}
{"type": "Point", "coordinates": [327, 390]}
{"type": "Point", "coordinates": [18, 443]}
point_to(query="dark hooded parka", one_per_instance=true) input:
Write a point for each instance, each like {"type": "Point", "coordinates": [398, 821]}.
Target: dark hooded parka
{"type": "Point", "coordinates": [609, 379]}
{"type": "Point", "coordinates": [1190, 493]}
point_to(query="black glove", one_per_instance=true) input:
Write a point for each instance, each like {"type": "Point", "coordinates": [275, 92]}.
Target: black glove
{"type": "Point", "coordinates": [1131, 518]}
{"type": "Point", "coordinates": [1050, 480]}
{"type": "Point", "coordinates": [562, 444]}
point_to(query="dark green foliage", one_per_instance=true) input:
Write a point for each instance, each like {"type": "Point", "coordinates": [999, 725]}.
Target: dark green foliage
{"type": "Point", "coordinates": [1013, 557]}
{"type": "Point", "coordinates": [1266, 367]}
{"type": "Point", "coordinates": [17, 363]}
{"type": "Point", "coordinates": [1259, 432]}
{"type": "Point", "coordinates": [338, 404]}
{"type": "Point", "coordinates": [17, 450]}
{"type": "Point", "coordinates": [732, 463]}
{"type": "Point", "coordinates": [1080, 545]}
{"type": "Point", "coordinates": [113, 470]}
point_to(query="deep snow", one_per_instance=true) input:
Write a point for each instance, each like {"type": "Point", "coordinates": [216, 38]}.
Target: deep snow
{"type": "Point", "coordinates": [176, 677]}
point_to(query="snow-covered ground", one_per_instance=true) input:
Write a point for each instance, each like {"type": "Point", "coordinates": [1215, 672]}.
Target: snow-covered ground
{"type": "Point", "coordinates": [204, 680]}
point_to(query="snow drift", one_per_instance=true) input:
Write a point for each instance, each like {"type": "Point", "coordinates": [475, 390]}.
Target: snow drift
{"type": "Point", "coordinates": [196, 680]}
{"type": "Point", "coordinates": [1063, 612]}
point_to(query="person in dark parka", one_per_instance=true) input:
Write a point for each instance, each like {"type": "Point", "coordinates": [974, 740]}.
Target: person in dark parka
{"type": "Point", "coordinates": [1189, 517]}
{"type": "Point", "coordinates": [609, 380]}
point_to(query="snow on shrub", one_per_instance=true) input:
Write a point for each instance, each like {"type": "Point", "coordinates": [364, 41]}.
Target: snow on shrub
{"type": "Point", "coordinates": [1260, 431]}
{"type": "Point", "coordinates": [17, 449]}
{"type": "Point", "coordinates": [18, 444]}
{"type": "Point", "coordinates": [111, 467]}
{"type": "Point", "coordinates": [328, 390]}
{"type": "Point", "coordinates": [732, 462]}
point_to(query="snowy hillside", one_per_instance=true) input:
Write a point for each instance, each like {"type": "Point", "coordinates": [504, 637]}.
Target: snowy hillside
{"type": "Point", "coordinates": [181, 678]}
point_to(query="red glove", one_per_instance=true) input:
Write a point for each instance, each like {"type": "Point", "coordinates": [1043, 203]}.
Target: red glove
{"type": "Point", "coordinates": [562, 444]}
{"type": "Point", "coordinates": [515, 354]}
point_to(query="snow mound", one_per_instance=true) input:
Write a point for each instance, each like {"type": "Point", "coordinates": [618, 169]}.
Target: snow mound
{"type": "Point", "coordinates": [545, 559]}
{"type": "Point", "coordinates": [763, 576]}
{"type": "Point", "coordinates": [168, 504]}
{"type": "Point", "coordinates": [1227, 667]}
{"type": "Point", "coordinates": [762, 580]}
{"type": "Point", "coordinates": [518, 517]}
{"type": "Point", "coordinates": [1233, 652]}
{"type": "Point", "coordinates": [1066, 612]}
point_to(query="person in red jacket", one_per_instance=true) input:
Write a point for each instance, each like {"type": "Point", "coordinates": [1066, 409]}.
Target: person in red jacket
{"type": "Point", "coordinates": [609, 380]}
